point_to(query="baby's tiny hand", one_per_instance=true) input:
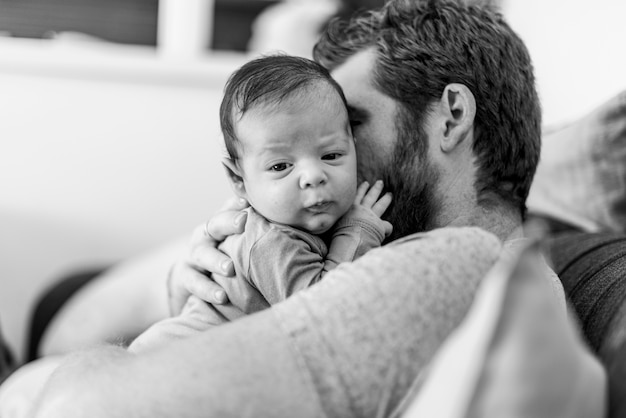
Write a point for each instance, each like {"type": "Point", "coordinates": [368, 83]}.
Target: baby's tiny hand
{"type": "Point", "coordinates": [369, 197]}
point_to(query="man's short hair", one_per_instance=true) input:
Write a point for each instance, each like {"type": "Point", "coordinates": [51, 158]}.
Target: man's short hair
{"type": "Point", "coordinates": [267, 81]}
{"type": "Point", "coordinates": [424, 45]}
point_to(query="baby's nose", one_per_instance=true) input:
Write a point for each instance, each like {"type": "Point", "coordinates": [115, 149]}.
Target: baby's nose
{"type": "Point", "coordinates": [312, 176]}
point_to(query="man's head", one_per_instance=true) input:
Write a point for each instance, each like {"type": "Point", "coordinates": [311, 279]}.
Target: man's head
{"type": "Point", "coordinates": [291, 150]}
{"type": "Point", "coordinates": [446, 74]}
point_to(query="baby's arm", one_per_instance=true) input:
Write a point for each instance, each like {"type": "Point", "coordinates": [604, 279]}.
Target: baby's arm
{"type": "Point", "coordinates": [362, 228]}
{"type": "Point", "coordinates": [282, 263]}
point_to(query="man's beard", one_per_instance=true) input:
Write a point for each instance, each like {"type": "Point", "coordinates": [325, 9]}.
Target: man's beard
{"type": "Point", "coordinates": [412, 179]}
{"type": "Point", "coordinates": [414, 205]}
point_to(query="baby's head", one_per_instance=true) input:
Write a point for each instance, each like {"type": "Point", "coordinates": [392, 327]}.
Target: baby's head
{"type": "Point", "coordinates": [291, 150]}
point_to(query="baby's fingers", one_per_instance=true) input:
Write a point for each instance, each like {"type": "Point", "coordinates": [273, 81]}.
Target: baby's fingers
{"type": "Point", "coordinates": [360, 192]}
{"type": "Point", "coordinates": [372, 194]}
{"type": "Point", "coordinates": [382, 204]}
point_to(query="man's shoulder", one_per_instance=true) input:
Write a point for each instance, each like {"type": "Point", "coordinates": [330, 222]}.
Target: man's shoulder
{"type": "Point", "coordinates": [466, 234]}
{"type": "Point", "coordinates": [461, 246]}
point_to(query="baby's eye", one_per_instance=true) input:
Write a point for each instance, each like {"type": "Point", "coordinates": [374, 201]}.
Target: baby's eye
{"type": "Point", "coordinates": [279, 167]}
{"type": "Point", "coordinates": [354, 123]}
{"type": "Point", "coordinates": [331, 156]}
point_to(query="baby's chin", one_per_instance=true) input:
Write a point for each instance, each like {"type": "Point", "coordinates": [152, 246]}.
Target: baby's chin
{"type": "Point", "coordinates": [317, 227]}
{"type": "Point", "coordinates": [320, 227]}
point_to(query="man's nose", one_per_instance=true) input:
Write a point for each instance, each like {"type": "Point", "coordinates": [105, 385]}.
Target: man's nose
{"type": "Point", "coordinates": [312, 175]}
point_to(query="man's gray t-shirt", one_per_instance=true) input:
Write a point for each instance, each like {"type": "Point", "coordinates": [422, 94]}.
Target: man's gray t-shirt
{"type": "Point", "coordinates": [363, 334]}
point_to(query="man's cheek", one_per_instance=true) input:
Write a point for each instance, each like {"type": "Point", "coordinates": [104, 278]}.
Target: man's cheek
{"type": "Point", "coordinates": [369, 169]}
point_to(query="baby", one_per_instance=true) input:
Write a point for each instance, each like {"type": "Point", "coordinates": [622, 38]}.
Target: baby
{"type": "Point", "coordinates": [291, 155]}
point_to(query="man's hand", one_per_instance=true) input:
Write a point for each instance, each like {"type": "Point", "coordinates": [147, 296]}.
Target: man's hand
{"type": "Point", "coordinates": [370, 198]}
{"type": "Point", "coordinates": [191, 275]}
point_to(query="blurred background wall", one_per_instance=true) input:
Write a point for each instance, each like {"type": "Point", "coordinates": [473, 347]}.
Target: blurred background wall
{"type": "Point", "coordinates": [100, 163]}
{"type": "Point", "coordinates": [107, 147]}
{"type": "Point", "coordinates": [577, 49]}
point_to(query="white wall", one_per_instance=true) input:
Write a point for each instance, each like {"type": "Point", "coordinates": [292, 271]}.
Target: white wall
{"type": "Point", "coordinates": [104, 152]}
{"type": "Point", "coordinates": [577, 47]}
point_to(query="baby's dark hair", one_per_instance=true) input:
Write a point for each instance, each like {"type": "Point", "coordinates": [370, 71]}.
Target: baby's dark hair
{"type": "Point", "coordinates": [267, 80]}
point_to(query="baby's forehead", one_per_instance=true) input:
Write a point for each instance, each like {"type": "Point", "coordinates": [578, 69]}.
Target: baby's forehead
{"type": "Point", "coordinates": [315, 111]}
{"type": "Point", "coordinates": [320, 91]}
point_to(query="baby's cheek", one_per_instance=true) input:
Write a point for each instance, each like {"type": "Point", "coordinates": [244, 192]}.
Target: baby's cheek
{"type": "Point", "coordinates": [349, 192]}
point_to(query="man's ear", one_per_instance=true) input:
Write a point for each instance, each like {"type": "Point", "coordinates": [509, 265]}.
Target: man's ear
{"type": "Point", "coordinates": [458, 108]}
{"type": "Point", "coordinates": [235, 177]}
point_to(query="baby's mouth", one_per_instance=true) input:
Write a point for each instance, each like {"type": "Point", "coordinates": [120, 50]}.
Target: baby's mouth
{"type": "Point", "coordinates": [318, 207]}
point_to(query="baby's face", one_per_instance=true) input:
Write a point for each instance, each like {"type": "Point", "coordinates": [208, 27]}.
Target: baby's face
{"type": "Point", "coordinates": [298, 160]}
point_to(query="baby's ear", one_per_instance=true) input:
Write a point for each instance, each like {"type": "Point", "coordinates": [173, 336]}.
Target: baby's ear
{"type": "Point", "coordinates": [234, 174]}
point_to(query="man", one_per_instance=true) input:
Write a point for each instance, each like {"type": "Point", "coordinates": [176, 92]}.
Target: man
{"type": "Point", "coordinates": [445, 111]}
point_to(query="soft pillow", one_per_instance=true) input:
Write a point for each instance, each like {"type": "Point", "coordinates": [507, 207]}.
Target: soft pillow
{"type": "Point", "coordinates": [581, 178]}
{"type": "Point", "coordinates": [515, 355]}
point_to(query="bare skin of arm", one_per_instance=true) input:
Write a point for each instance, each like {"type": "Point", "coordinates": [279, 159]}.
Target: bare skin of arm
{"type": "Point", "coordinates": [115, 306]}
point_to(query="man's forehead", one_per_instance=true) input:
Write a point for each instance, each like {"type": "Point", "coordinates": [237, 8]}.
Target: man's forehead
{"type": "Point", "coordinates": [356, 72]}
{"type": "Point", "coordinates": [356, 78]}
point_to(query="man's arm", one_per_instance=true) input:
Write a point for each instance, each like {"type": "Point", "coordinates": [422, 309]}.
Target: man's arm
{"type": "Point", "coordinates": [352, 344]}
{"type": "Point", "coordinates": [131, 296]}
{"type": "Point", "coordinates": [244, 368]}
{"type": "Point", "coordinates": [118, 304]}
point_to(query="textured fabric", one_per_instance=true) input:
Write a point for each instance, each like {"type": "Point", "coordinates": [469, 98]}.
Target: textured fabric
{"type": "Point", "coordinates": [365, 332]}
{"type": "Point", "coordinates": [592, 268]}
{"type": "Point", "coordinates": [271, 263]}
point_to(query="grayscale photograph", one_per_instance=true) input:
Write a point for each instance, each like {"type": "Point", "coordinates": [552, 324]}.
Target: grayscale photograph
{"type": "Point", "coordinates": [312, 208]}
